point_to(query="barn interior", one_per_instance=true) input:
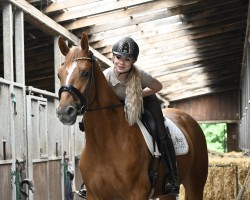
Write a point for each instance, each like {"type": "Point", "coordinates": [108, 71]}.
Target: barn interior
{"type": "Point", "coordinates": [198, 49]}
{"type": "Point", "coordinates": [195, 48]}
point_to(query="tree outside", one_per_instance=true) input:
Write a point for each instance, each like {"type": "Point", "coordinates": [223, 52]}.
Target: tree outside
{"type": "Point", "coordinates": [216, 136]}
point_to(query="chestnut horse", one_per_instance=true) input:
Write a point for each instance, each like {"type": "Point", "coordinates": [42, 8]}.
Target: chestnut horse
{"type": "Point", "coordinates": [115, 161]}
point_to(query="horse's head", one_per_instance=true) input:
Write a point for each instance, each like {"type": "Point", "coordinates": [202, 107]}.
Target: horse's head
{"type": "Point", "coordinates": [76, 75]}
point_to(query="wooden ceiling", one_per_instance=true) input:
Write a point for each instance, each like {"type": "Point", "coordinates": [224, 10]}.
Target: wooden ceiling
{"type": "Point", "coordinates": [194, 47]}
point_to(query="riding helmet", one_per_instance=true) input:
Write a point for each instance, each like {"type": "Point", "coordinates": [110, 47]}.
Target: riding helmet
{"type": "Point", "coordinates": [126, 47]}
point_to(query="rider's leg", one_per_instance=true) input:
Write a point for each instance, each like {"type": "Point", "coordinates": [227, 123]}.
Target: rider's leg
{"type": "Point", "coordinates": [165, 145]}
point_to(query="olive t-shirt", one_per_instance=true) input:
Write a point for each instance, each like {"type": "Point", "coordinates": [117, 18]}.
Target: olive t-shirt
{"type": "Point", "coordinates": [120, 88]}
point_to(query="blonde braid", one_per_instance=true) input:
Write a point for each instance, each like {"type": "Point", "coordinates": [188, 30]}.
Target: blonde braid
{"type": "Point", "coordinates": [133, 101]}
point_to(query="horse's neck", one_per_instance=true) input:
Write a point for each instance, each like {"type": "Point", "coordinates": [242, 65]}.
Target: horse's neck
{"type": "Point", "coordinates": [102, 118]}
{"type": "Point", "coordinates": [105, 95]}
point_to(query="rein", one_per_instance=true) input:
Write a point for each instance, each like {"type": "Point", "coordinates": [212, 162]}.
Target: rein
{"type": "Point", "coordinates": [112, 107]}
{"type": "Point", "coordinates": [84, 97]}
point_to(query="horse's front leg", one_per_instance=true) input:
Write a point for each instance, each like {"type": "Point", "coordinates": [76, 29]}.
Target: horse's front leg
{"type": "Point", "coordinates": [138, 192]}
{"type": "Point", "coordinates": [92, 196]}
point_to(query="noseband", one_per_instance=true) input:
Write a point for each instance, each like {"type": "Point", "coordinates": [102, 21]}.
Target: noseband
{"type": "Point", "coordinates": [83, 97]}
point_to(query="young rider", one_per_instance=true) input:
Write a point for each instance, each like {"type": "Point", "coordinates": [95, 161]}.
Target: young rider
{"type": "Point", "coordinates": [137, 88]}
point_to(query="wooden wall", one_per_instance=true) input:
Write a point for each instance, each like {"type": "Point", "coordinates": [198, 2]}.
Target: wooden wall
{"type": "Point", "coordinates": [218, 107]}
{"type": "Point", "coordinates": [215, 107]}
{"type": "Point", "coordinates": [5, 184]}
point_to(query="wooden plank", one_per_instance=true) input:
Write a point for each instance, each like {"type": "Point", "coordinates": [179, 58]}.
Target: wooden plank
{"type": "Point", "coordinates": [192, 28]}
{"type": "Point", "coordinates": [19, 47]}
{"type": "Point", "coordinates": [54, 179]}
{"type": "Point", "coordinates": [196, 83]}
{"type": "Point", "coordinates": [50, 26]}
{"type": "Point", "coordinates": [41, 179]}
{"type": "Point", "coordinates": [6, 189]}
{"type": "Point", "coordinates": [201, 17]}
{"type": "Point", "coordinates": [180, 46]}
{"type": "Point", "coordinates": [167, 69]}
{"type": "Point", "coordinates": [56, 6]}
{"type": "Point", "coordinates": [199, 92]}
{"type": "Point", "coordinates": [153, 68]}
{"type": "Point", "coordinates": [43, 21]}
{"type": "Point", "coordinates": [8, 42]}
{"type": "Point", "coordinates": [218, 106]}
{"type": "Point", "coordinates": [174, 9]}
{"type": "Point", "coordinates": [171, 42]}
{"type": "Point", "coordinates": [165, 57]}
{"type": "Point", "coordinates": [178, 61]}
{"type": "Point", "coordinates": [99, 8]}
{"type": "Point", "coordinates": [123, 14]}
{"type": "Point", "coordinates": [198, 76]}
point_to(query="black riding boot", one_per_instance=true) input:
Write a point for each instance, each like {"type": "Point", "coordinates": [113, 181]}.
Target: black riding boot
{"type": "Point", "coordinates": [167, 150]}
{"type": "Point", "coordinates": [165, 144]}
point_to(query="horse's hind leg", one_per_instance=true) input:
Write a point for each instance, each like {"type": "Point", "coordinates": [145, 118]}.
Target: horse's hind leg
{"type": "Point", "coordinates": [193, 189]}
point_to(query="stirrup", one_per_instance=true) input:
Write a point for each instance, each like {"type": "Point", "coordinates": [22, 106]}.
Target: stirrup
{"type": "Point", "coordinates": [82, 193]}
{"type": "Point", "coordinates": [170, 189]}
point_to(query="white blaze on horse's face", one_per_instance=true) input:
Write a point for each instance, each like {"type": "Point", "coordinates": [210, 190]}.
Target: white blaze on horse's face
{"type": "Point", "coordinates": [70, 71]}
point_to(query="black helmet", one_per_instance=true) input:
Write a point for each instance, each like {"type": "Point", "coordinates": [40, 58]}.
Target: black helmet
{"type": "Point", "coordinates": [126, 47]}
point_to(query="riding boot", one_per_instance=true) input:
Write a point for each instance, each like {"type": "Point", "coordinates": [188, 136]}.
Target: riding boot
{"type": "Point", "coordinates": [165, 144]}
{"type": "Point", "coordinates": [167, 150]}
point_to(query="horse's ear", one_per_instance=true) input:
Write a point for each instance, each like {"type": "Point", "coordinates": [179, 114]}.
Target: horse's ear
{"type": "Point", "coordinates": [84, 42]}
{"type": "Point", "coordinates": [63, 46]}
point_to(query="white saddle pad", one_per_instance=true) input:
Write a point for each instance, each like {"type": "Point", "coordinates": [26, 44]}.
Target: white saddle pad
{"type": "Point", "coordinates": [179, 140]}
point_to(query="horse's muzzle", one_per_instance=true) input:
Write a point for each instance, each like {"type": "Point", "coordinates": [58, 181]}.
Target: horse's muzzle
{"type": "Point", "coordinates": [67, 114]}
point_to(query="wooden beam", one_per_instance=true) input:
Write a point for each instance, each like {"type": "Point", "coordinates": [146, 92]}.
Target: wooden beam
{"type": "Point", "coordinates": [43, 21]}
{"type": "Point", "coordinates": [123, 14]}
{"type": "Point", "coordinates": [164, 26]}
{"type": "Point", "coordinates": [197, 92]}
{"type": "Point", "coordinates": [174, 63]}
{"type": "Point", "coordinates": [174, 8]}
{"type": "Point", "coordinates": [154, 46]}
{"type": "Point", "coordinates": [166, 58]}
{"type": "Point", "coordinates": [201, 18]}
{"type": "Point", "coordinates": [48, 25]}
{"type": "Point", "coordinates": [101, 7]}
{"type": "Point", "coordinates": [57, 6]}
{"type": "Point", "coordinates": [213, 65]}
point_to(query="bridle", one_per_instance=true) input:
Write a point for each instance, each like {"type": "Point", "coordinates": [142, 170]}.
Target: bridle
{"type": "Point", "coordinates": [84, 97]}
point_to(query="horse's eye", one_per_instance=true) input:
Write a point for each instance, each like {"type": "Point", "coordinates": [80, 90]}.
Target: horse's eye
{"type": "Point", "coordinates": [85, 74]}
{"type": "Point", "coordinates": [58, 76]}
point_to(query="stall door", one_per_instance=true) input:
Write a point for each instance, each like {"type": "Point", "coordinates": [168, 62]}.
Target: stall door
{"type": "Point", "coordinates": [38, 146]}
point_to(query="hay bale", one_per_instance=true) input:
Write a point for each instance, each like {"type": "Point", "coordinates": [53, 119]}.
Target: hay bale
{"type": "Point", "coordinates": [230, 172]}
{"type": "Point", "coordinates": [226, 175]}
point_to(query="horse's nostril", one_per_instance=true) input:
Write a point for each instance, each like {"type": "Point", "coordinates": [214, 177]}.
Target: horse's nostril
{"type": "Point", "coordinates": [70, 110]}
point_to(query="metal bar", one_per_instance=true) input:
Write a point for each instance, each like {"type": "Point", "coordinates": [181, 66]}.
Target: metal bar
{"type": "Point", "coordinates": [7, 82]}
{"type": "Point", "coordinates": [56, 149]}
{"type": "Point", "coordinates": [4, 150]}
{"type": "Point", "coordinates": [31, 90]}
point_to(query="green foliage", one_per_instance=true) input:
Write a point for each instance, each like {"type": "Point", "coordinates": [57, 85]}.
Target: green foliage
{"type": "Point", "coordinates": [216, 136]}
